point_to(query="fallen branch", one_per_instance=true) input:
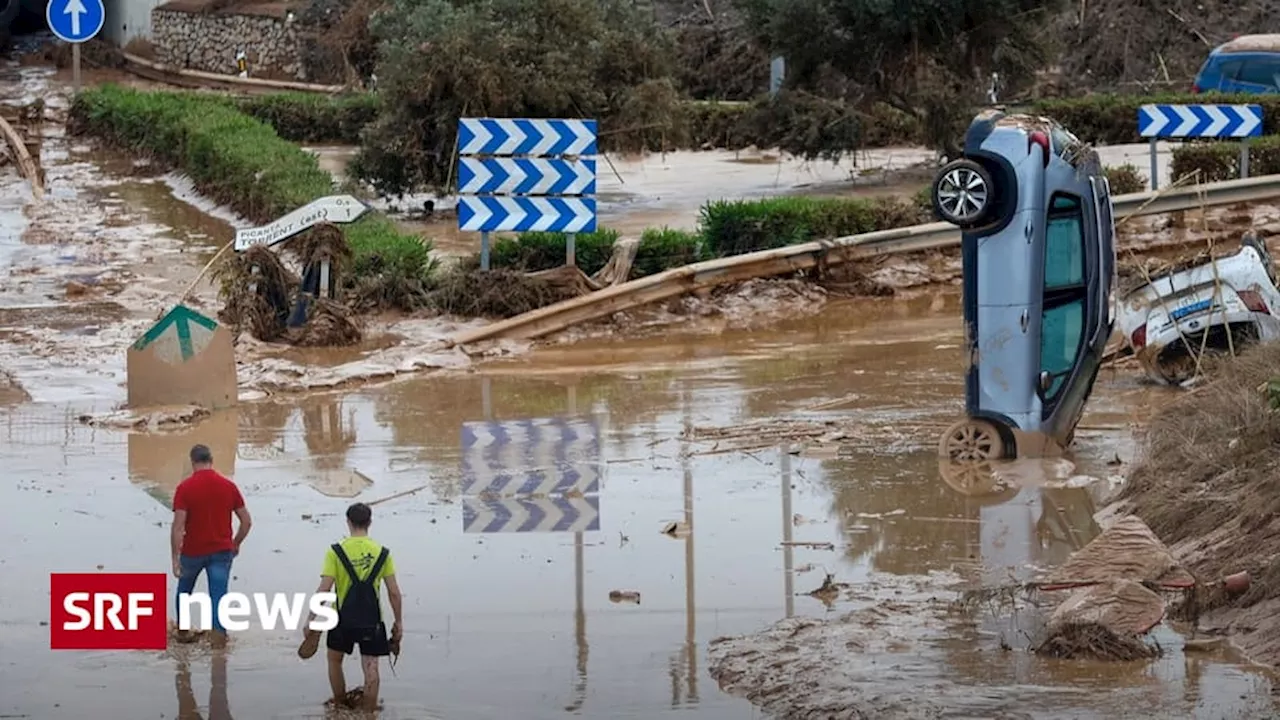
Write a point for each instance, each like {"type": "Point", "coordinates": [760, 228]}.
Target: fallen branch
{"type": "Point", "coordinates": [26, 165]}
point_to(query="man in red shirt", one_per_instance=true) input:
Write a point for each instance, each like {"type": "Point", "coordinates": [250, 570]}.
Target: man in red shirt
{"type": "Point", "coordinates": [201, 539]}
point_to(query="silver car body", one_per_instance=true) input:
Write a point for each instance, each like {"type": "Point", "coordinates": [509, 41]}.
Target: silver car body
{"type": "Point", "coordinates": [1038, 280]}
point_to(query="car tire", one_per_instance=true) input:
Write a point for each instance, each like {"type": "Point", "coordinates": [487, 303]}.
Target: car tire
{"type": "Point", "coordinates": [963, 194]}
{"type": "Point", "coordinates": [972, 439]}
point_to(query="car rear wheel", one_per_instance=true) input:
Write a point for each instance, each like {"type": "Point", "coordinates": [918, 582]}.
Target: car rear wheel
{"type": "Point", "coordinates": [972, 439]}
{"type": "Point", "coordinates": [962, 193]}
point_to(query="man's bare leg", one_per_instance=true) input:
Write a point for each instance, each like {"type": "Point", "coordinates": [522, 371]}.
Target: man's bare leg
{"type": "Point", "coordinates": [369, 663]}
{"type": "Point", "coordinates": [337, 681]}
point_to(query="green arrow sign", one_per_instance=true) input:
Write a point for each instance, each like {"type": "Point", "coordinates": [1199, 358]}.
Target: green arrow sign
{"type": "Point", "coordinates": [189, 329]}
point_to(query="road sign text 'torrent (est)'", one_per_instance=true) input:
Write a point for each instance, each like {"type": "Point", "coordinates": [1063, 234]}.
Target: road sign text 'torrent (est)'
{"type": "Point", "coordinates": [129, 611]}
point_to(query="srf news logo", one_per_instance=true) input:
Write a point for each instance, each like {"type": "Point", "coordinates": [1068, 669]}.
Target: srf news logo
{"type": "Point", "coordinates": [129, 611]}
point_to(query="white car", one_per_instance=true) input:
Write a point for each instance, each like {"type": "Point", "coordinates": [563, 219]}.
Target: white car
{"type": "Point", "coordinates": [1216, 306]}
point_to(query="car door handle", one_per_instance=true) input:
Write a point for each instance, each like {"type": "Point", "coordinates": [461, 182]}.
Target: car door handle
{"type": "Point", "coordinates": [1025, 320]}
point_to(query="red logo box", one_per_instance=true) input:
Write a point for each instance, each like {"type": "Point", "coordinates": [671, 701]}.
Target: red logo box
{"type": "Point", "coordinates": [108, 611]}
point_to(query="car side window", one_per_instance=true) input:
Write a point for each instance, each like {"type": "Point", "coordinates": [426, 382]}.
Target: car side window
{"type": "Point", "coordinates": [1258, 71]}
{"type": "Point", "coordinates": [1061, 330]}
{"type": "Point", "coordinates": [1229, 70]}
{"type": "Point", "coordinates": [1064, 244]}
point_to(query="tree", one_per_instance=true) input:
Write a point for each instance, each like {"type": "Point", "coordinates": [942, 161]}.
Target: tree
{"type": "Point", "coordinates": [446, 59]}
{"type": "Point", "coordinates": [931, 58]}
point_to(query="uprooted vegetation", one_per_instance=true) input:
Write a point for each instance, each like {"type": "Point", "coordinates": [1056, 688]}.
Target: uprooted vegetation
{"type": "Point", "coordinates": [1209, 485]}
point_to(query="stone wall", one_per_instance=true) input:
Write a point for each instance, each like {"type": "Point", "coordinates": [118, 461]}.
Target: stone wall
{"type": "Point", "coordinates": [209, 41]}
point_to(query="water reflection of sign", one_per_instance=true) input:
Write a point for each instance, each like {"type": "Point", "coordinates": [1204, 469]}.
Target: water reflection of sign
{"type": "Point", "coordinates": [159, 461]}
{"type": "Point", "coordinates": [561, 514]}
{"type": "Point", "coordinates": [540, 456]}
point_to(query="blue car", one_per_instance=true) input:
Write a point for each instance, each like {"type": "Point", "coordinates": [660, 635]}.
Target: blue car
{"type": "Point", "coordinates": [1034, 208]}
{"type": "Point", "coordinates": [1247, 64]}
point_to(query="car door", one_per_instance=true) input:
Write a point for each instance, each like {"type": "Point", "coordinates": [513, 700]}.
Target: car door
{"type": "Point", "coordinates": [1064, 321]}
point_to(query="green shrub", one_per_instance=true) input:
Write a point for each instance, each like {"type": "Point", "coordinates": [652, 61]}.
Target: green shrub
{"type": "Point", "coordinates": [1218, 161]}
{"type": "Point", "coordinates": [535, 251]}
{"type": "Point", "coordinates": [241, 162]}
{"type": "Point", "coordinates": [313, 118]}
{"type": "Point", "coordinates": [664, 249]}
{"type": "Point", "coordinates": [742, 226]}
{"type": "Point", "coordinates": [1126, 179]}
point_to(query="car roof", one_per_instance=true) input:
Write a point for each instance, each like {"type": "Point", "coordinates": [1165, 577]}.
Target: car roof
{"type": "Point", "coordinates": [1251, 43]}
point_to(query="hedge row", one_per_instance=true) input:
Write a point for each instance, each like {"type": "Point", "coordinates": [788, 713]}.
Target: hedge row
{"type": "Point", "coordinates": [1099, 119]}
{"type": "Point", "coordinates": [725, 228]}
{"type": "Point", "coordinates": [241, 162]}
{"type": "Point", "coordinates": [1218, 161]}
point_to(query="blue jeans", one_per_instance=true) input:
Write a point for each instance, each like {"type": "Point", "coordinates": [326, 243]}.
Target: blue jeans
{"type": "Point", "coordinates": [217, 570]}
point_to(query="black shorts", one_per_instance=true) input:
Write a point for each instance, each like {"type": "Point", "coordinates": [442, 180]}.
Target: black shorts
{"type": "Point", "coordinates": [373, 642]}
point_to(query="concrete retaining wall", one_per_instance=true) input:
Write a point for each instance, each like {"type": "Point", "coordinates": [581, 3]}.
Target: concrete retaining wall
{"type": "Point", "coordinates": [209, 41]}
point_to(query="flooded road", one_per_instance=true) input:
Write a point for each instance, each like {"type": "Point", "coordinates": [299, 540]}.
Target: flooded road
{"type": "Point", "coordinates": [509, 623]}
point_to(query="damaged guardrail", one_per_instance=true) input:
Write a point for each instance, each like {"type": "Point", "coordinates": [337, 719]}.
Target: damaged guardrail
{"type": "Point", "coordinates": [932, 236]}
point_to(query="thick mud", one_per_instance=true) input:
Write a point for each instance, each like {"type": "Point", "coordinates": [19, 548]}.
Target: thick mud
{"type": "Point", "coordinates": [716, 541]}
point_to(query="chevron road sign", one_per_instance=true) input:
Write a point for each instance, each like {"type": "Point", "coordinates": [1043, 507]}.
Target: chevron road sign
{"type": "Point", "coordinates": [520, 176]}
{"type": "Point", "coordinates": [1200, 121]}
{"type": "Point", "coordinates": [531, 137]}
{"type": "Point", "coordinates": [487, 213]}
{"type": "Point", "coordinates": [546, 183]}
{"type": "Point", "coordinates": [541, 456]}
{"type": "Point", "coordinates": [563, 514]}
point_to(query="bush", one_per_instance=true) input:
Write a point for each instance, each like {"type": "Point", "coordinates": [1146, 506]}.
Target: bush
{"type": "Point", "coordinates": [1126, 179]}
{"type": "Point", "coordinates": [308, 117]}
{"type": "Point", "coordinates": [535, 251]}
{"type": "Point", "coordinates": [1218, 161]}
{"type": "Point", "coordinates": [664, 249]}
{"type": "Point", "coordinates": [241, 162]}
{"type": "Point", "coordinates": [742, 226]}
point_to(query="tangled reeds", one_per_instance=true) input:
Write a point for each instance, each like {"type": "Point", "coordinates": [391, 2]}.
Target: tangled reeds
{"type": "Point", "coordinates": [256, 288]}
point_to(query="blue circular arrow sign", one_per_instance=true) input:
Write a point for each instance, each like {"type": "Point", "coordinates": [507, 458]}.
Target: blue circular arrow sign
{"type": "Point", "coordinates": [75, 21]}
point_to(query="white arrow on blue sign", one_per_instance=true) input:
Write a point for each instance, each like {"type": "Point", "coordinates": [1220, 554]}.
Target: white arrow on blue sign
{"type": "Point", "coordinates": [526, 176]}
{"type": "Point", "coordinates": [1200, 121]}
{"type": "Point", "coordinates": [562, 514]}
{"type": "Point", "coordinates": [75, 21]}
{"type": "Point", "coordinates": [532, 137]}
{"type": "Point", "coordinates": [487, 213]}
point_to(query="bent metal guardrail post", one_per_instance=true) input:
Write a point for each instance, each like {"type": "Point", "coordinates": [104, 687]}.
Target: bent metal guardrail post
{"type": "Point", "coordinates": [932, 236]}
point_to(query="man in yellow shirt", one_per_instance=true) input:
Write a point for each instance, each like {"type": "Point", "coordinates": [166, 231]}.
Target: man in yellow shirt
{"type": "Point", "coordinates": [355, 568]}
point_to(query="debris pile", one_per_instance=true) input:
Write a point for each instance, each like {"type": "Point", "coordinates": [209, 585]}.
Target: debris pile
{"type": "Point", "coordinates": [265, 297]}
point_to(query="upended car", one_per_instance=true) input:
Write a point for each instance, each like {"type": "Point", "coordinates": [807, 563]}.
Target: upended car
{"type": "Point", "coordinates": [1207, 306]}
{"type": "Point", "coordinates": [1039, 267]}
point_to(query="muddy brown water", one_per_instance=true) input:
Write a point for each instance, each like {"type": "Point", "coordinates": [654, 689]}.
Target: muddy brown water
{"type": "Point", "coordinates": [510, 623]}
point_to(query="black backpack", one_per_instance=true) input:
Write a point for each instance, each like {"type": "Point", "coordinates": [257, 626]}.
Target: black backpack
{"type": "Point", "coordinates": [360, 609]}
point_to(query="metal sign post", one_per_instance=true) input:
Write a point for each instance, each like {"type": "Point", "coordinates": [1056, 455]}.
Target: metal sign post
{"type": "Point", "coordinates": [75, 22]}
{"type": "Point", "coordinates": [1200, 121]}
{"type": "Point", "coordinates": [521, 175]}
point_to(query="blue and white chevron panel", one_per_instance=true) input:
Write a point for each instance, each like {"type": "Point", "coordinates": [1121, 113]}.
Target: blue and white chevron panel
{"type": "Point", "coordinates": [526, 136]}
{"type": "Point", "coordinates": [1200, 121]}
{"type": "Point", "coordinates": [540, 456]}
{"type": "Point", "coordinates": [497, 213]}
{"type": "Point", "coordinates": [562, 514]}
{"type": "Point", "coordinates": [526, 176]}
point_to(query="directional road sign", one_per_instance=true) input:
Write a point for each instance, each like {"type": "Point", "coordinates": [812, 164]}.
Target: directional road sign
{"type": "Point", "coordinates": [561, 514]}
{"type": "Point", "coordinates": [526, 176]}
{"type": "Point", "coordinates": [1200, 121]}
{"type": "Point", "coordinates": [489, 213]}
{"type": "Point", "coordinates": [75, 21]}
{"type": "Point", "coordinates": [179, 336]}
{"type": "Point", "coordinates": [334, 209]}
{"type": "Point", "coordinates": [541, 456]}
{"type": "Point", "coordinates": [531, 137]}
{"type": "Point", "coordinates": [548, 186]}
